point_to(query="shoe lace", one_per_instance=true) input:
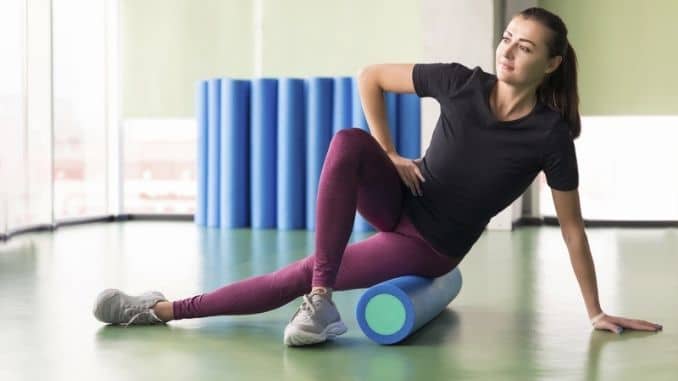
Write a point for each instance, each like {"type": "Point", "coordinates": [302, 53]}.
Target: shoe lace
{"type": "Point", "coordinates": [308, 305]}
{"type": "Point", "coordinates": [146, 313]}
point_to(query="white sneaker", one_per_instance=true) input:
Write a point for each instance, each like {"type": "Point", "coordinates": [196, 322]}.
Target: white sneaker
{"type": "Point", "coordinates": [316, 320]}
{"type": "Point", "coordinates": [115, 307]}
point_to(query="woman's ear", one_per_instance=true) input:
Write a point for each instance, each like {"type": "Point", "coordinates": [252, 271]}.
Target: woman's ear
{"type": "Point", "coordinates": [553, 64]}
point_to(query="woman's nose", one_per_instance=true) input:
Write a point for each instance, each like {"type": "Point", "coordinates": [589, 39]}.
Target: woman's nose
{"type": "Point", "coordinates": [508, 51]}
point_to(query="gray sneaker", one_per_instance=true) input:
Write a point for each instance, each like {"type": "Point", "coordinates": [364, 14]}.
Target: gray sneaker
{"type": "Point", "coordinates": [115, 307]}
{"type": "Point", "coordinates": [316, 320]}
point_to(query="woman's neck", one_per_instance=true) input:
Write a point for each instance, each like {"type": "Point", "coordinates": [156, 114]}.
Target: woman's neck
{"type": "Point", "coordinates": [509, 102]}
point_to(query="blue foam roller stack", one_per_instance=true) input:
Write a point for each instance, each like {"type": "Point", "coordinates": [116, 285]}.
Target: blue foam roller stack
{"type": "Point", "coordinates": [392, 310]}
{"type": "Point", "coordinates": [263, 143]}
{"type": "Point", "coordinates": [291, 155]}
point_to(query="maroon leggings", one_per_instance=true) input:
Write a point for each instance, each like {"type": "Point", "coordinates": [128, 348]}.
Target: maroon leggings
{"type": "Point", "coordinates": [356, 173]}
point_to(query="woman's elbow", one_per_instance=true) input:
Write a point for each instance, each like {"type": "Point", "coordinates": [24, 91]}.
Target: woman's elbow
{"type": "Point", "coordinates": [365, 73]}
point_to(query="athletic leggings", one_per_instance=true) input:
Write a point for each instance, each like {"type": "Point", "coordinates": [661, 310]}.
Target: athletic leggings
{"type": "Point", "coordinates": [356, 173]}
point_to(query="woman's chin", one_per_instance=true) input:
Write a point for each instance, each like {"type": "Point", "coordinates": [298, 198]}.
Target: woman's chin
{"type": "Point", "coordinates": [509, 79]}
{"type": "Point", "coordinates": [502, 76]}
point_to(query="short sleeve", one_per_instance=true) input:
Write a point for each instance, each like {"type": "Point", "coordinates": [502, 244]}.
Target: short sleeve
{"type": "Point", "coordinates": [438, 79]}
{"type": "Point", "coordinates": [560, 160]}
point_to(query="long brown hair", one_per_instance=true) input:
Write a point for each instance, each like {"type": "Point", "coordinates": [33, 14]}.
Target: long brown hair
{"type": "Point", "coordinates": [558, 90]}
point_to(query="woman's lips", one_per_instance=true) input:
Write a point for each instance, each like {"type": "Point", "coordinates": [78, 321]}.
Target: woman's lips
{"type": "Point", "coordinates": [506, 67]}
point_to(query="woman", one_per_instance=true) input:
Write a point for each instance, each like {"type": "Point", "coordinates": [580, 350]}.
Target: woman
{"type": "Point", "coordinates": [494, 135]}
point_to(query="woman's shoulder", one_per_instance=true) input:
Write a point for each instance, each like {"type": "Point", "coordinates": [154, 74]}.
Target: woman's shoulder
{"type": "Point", "coordinates": [441, 79]}
{"type": "Point", "coordinates": [553, 120]}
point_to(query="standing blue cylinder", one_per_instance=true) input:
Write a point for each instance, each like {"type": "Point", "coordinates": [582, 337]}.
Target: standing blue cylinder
{"type": "Point", "coordinates": [360, 224]}
{"type": "Point", "coordinates": [319, 121]}
{"type": "Point", "coordinates": [409, 125]}
{"type": "Point", "coordinates": [391, 103]}
{"type": "Point", "coordinates": [341, 112]}
{"type": "Point", "coordinates": [201, 107]}
{"type": "Point", "coordinates": [213, 149]}
{"type": "Point", "coordinates": [234, 168]}
{"type": "Point", "coordinates": [291, 155]}
{"type": "Point", "coordinates": [263, 144]}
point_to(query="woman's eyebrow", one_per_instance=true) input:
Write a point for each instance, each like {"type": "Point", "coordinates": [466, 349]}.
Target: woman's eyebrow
{"type": "Point", "coordinates": [522, 39]}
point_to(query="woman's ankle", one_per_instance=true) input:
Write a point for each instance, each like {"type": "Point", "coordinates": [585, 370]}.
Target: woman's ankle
{"type": "Point", "coordinates": [325, 292]}
{"type": "Point", "coordinates": [164, 311]}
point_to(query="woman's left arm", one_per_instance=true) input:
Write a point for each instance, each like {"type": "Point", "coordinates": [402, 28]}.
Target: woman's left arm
{"type": "Point", "coordinates": [572, 228]}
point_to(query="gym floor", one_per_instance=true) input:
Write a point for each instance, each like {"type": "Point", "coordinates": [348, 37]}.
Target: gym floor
{"type": "Point", "coordinates": [519, 315]}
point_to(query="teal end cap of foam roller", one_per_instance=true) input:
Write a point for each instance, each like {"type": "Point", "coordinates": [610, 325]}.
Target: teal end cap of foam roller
{"type": "Point", "coordinates": [392, 310]}
{"type": "Point", "coordinates": [385, 314]}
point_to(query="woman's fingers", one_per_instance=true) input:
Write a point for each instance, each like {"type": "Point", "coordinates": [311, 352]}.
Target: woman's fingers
{"type": "Point", "coordinates": [640, 325]}
{"type": "Point", "coordinates": [414, 185]}
{"type": "Point", "coordinates": [404, 175]}
{"type": "Point", "coordinates": [418, 173]}
{"type": "Point", "coordinates": [618, 324]}
{"type": "Point", "coordinates": [416, 177]}
{"type": "Point", "coordinates": [410, 174]}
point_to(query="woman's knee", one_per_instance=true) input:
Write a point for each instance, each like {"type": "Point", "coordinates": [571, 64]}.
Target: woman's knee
{"type": "Point", "coordinates": [351, 139]}
{"type": "Point", "coordinates": [350, 146]}
{"type": "Point", "coordinates": [351, 132]}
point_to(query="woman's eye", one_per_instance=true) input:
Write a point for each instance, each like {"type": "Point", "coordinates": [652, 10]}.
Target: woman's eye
{"type": "Point", "coordinates": [524, 49]}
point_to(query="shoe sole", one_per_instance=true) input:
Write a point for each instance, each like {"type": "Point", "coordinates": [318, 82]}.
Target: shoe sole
{"type": "Point", "coordinates": [297, 337]}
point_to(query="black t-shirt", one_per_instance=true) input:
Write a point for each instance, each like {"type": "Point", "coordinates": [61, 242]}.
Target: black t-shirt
{"type": "Point", "coordinates": [476, 165]}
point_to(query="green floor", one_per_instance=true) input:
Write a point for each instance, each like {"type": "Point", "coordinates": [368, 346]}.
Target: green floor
{"type": "Point", "coordinates": [519, 315]}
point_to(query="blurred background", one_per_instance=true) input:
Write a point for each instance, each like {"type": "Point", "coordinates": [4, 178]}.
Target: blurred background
{"type": "Point", "coordinates": [97, 98]}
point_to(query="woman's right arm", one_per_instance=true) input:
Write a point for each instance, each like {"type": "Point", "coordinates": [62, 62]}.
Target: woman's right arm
{"type": "Point", "coordinates": [373, 81]}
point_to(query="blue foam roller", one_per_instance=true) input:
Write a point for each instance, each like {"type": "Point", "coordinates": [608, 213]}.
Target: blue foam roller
{"type": "Point", "coordinates": [201, 108]}
{"type": "Point", "coordinates": [263, 144]}
{"type": "Point", "coordinates": [358, 120]}
{"type": "Point", "coordinates": [234, 156]}
{"type": "Point", "coordinates": [291, 155]}
{"type": "Point", "coordinates": [409, 126]}
{"type": "Point", "coordinates": [213, 141]}
{"type": "Point", "coordinates": [318, 135]}
{"type": "Point", "coordinates": [392, 310]}
{"type": "Point", "coordinates": [341, 112]}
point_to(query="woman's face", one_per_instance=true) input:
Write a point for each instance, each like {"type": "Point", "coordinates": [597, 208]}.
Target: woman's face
{"type": "Point", "coordinates": [522, 54]}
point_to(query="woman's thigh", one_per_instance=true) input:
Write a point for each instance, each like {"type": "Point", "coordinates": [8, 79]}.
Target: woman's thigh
{"type": "Point", "coordinates": [380, 190]}
{"type": "Point", "coordinates": [387, 255]}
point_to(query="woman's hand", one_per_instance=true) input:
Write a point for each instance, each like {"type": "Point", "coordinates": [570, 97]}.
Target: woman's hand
{"type": "Point", "coordinates": [409, 172]}
{"type": "Point", "coordinates": [617, 324]}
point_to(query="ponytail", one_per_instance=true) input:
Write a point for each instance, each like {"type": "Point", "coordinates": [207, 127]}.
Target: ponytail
{"type": "Point", "coordinates": [559, 90]}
